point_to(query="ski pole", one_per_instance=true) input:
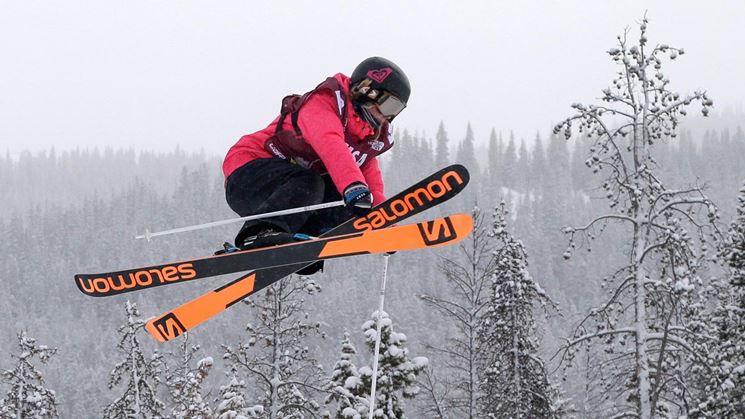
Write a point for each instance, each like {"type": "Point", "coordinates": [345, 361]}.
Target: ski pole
{"type": "Point", "coordinates": [379, 325]}
{"type": "Point", "coordinates": [148, 234]}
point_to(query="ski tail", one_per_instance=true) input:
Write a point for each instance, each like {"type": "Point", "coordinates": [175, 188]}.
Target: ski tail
{"type": "Point", "coordinates": [187, 316]}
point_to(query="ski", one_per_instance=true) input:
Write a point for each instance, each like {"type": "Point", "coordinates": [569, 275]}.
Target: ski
{"type": "Point", "coordinates": [437, 232]}
{"type": "Point", "coordinates": [425, 194]}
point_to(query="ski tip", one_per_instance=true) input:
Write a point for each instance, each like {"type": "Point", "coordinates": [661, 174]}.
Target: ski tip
{"type": "Point", "coordinates": [150, 327]}
{"type": "Point", "coordinates": [86, 286]}
{"type": "Point", "coordinates": [460, 169]}
{"type": "Point", "coordinates": [165, 328]}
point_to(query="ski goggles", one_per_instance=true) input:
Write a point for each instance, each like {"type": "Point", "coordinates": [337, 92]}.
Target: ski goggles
{"type": "Point", "coordinates": [388, 104]}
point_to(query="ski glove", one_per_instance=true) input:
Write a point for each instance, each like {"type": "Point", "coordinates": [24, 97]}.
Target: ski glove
{"type": "Point", "coordinates": [358, 199]}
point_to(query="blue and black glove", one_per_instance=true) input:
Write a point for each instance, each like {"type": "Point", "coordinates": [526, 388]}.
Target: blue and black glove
{"type": "Point", "coordinates": [358, 199]}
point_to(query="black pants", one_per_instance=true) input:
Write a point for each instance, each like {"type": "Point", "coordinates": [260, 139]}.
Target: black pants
{"type": "Point", "coordinates": [267, 185]}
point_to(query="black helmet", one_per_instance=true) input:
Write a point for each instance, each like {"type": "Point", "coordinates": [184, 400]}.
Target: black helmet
{"type": "Point", "coordinates": [379, 81]}
{"type": "Point", "coordinates": [384, 75]}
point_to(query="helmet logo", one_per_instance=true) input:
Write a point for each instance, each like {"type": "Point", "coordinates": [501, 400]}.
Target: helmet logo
{"type": "Point", "coordinates": [380, 75]}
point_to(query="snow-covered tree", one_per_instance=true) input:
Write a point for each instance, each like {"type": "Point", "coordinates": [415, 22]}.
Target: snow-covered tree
{"type": "Point", "coordinates": [344, 384]}
{"type": "Point", "coordinates": [466, 154]}
{"type": "Point", "coordinates": [27, 396]}
{"type": "Point", "coordinates": [185, 380]}
{"type": "Point", "coordinates": [232, 401]}
{"type": "Point", "coordinates": [468, 277]}
{"type": "Point", "coordinates": [538, 167]}
{"type": "Point", "coordinates": [723, 390]}
{"type": "Point", "coordinates": [442, 155]}
{"type": "Point", "coordinates": [647, 333]}
{"type": "Point", "coordinates": [509, 163]}
{"type": "Point", "coordinates": [514, 380]}
{"type": "Point", "coordinates": [397, 372]}
{"type": "Point", "coordinates": [139, 374]}
{"type": "Point", "coordinates": [493, 163]}
{"type": "Point", "coordinates": [276, 356]}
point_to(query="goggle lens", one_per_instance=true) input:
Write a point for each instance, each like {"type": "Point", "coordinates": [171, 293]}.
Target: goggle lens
{"type": "Point", "coordinates": [390, 105]}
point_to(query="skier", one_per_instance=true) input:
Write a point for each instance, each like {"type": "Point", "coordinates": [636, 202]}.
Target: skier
{"type": "Point", "coordinates": [321, 148]}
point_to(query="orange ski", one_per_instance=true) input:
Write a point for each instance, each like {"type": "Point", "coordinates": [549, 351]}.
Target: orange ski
{"type": "Point", "coordinates": [437, 232]}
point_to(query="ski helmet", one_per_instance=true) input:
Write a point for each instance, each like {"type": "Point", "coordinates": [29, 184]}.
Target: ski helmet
{"type": "Point", "coordinates": [379, 81]}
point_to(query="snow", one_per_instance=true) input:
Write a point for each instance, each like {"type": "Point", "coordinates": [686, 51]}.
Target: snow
{"type": "Point", "coordinates": [420, 361]}
{"type": "Point", "coordinates": [740, 370]}
{"type": "Point", "coordinates": [206, 362]}
{"type": "Point", "coordinates": [350, 412]}
{"type": "Point", "coordinates": [683, 285]}
{"type": "Point", "coordinates": [352, 382]}
{"type": "Point", "coordinates": [398, 338]}
{"type": "Point", "coordinates": [34, 397]}
{"type": "Point", "coordinates": [728, 384]}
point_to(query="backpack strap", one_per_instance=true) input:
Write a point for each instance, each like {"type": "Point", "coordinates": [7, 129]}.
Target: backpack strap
{"type": "Point", "coordinates": [291, 105]}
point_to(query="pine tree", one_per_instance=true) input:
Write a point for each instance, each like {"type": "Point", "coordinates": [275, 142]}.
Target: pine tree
{"type": "Point", "coordinates": [559, 169]}
{"type": "Point", "coordinates": [578, 168]}
{"type": "Point", "coordinates": [493, 162]}
{"type": "Point", "coordinates": [232, 402]}
{"type": "Point", "coordinates": [515, 383]}
{"type": "Point", "coordinates": [141, 376]}
{"type": "Point", "coordinates": [649, 332]}
{"type": "Point", "coordinates": [538, 166]}
{"type": "Point", "coordinates": [442, 155]}
{"type": "Point", "coordinates": [345, 383]}
{"type": "Point", "coordinates": [509, 162]}
{"type": "Point", "coordinates": [522, 167]}
{"type": "Point", "coordinates": [185, 381]}
{"type": "Point", "coordinates": [723, 389]}
{"type": "Point", "coordinates": [491, 173]}
{"type": "Point", "coordinates": [277, 356]}
{"type": "Point", "coordinates": [397, 374]}
{"type": "Point", "coordinates": [27, 396]}
{"type": "Point", "coordinates": [467, 151]}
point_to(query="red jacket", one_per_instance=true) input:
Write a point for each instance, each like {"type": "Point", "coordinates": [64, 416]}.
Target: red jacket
{"type": "Point", "coordinates": [322, 130]}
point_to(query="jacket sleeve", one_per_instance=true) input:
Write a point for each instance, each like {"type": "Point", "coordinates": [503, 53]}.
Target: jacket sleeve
{"type": "Point", "coordinates": [374, 179]}
{"type": "Point", "coordinates": [322, 129]}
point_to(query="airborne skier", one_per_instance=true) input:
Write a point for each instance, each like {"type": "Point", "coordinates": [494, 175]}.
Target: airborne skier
{"type": "Point", "coordinates": [323, 156]}
{"type": "Point", "coordinates": [321, 148]}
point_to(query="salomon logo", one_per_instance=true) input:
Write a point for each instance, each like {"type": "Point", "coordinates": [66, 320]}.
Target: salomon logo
{"type": "Point", "coordinates": [437, 231]}
{"type": "Point", "coordinates": [413, 201]}
{"type": "Point", "coordinates": [113, 284]}
{"type": "Point", "coordinates": [169, 327]}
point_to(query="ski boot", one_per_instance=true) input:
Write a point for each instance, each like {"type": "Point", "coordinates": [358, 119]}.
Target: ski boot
{"type": "Point", "coordinates": [266, 238]}
{"type": "Point", "coordinates": [269, 238]}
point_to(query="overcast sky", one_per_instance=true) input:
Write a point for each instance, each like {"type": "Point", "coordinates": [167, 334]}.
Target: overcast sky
{"type": "Point", "coordinates": [199, 74]}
